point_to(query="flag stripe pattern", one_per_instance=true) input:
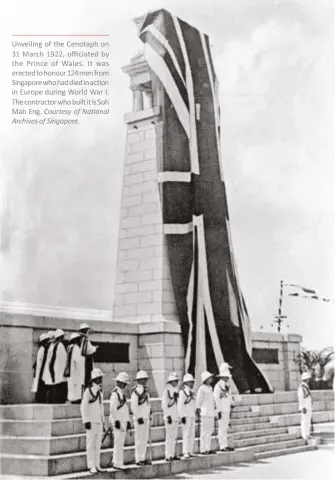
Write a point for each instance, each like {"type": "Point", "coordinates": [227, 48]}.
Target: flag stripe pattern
{"type": "Point", "coordinates": [211, 308]}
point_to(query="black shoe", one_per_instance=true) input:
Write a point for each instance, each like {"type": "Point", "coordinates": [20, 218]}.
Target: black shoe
{"type": "Point", "coordinates": [212, 452]}
{"type": "Point", "coordinates": [230, 449]}
{"type": "Point", "coordinates": [169, 459]}
{"type": "Point", "coordinates": [140, 463]}
{"type": "Point", "coordinates": [176, 458]}
{"type": "Point", "coordinates": [147, 462]}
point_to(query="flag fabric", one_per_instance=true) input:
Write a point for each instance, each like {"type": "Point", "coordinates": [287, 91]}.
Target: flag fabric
{"type": "Point", "coordinates": [211, 308]}
{"type": "Point", "coordinates": [294, 290]}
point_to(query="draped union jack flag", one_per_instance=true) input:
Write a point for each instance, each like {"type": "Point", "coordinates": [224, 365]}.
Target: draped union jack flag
{"type": "Point", "coordinates": [212, 312]}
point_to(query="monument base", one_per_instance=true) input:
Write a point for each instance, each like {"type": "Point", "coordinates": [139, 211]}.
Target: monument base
{"type": "Point", "coordinates": [154, 346]}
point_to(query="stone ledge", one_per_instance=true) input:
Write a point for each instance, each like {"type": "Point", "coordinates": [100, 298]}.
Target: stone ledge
{"type": "Point", "coordinates": [146, 114]}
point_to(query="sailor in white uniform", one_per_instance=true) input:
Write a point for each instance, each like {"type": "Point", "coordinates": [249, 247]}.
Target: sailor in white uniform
{"type": "Point", "coordinates": [224, 402]}
{"type": "Point", "coordinates": [305, 405]}
{"type": "Point", "coordinates": [171, 416]}
{"type": "Point", "coordinates": [73, 370]}
{"type": "Point", "coordinates": [92, 413]}
{"type": "Point", "coordinates": [119, 418]}
{"type": "Point", "coordinates": [205, 405]}
{"type": "Point", "coordinates": [87, 351]}
{"type": "Point", "coordinates": [186, 409]}
{"type": "Point", "coordinates": [140, 407]}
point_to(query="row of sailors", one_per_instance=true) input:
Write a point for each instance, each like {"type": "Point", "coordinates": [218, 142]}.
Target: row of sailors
{"type": "Point", "coordinates": [60, 372]}
{"type": "Point", "coordinates": [177, 405]}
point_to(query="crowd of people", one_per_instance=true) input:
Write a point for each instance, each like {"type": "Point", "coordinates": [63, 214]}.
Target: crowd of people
{"type": "Point", "coordinates": [64, 373]}
{"type": "Point", "coordinates": [63, 369]}
{"type": "Point", "coordinates": [180, 404]}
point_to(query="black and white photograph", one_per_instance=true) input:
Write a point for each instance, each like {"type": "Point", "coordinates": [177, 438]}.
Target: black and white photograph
{"type": "Point", "coordinates": [167, 239]}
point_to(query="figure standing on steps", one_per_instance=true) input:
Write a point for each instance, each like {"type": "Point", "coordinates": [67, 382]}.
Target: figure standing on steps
{"type": "Point", "coordinates": [38, 386]}
{"type": "Point", "coordinates": [140, 407]}
{"type": "Point", "coordinates": [53, 374]}
{"type": "Point", "coordinates": [205, 405]}
{"type": "Point", "coordinates": [92, 413]}
{"type": "Point", "coordinates": [87, 351]}
{"type": "Point", "coordinates": [171, 417]}
{"type": "Point", "coordinates": [119, 418]}
{"type": "Point", "coordinates": [224, 404]}
{"type": "Point", "coordinates": [73, 369]}
{"type": "Point", "coordinates": [186, 409]}
{"type": "Point", "coordinates": [305, 405]}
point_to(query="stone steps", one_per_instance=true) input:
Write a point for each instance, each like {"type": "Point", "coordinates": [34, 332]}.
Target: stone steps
{"type": "Point", "coordinates": [77, 443]}
{"type": "Point", "coordinates": [285, 451]}
{"type": "Point", "coordinates": [44, 440]}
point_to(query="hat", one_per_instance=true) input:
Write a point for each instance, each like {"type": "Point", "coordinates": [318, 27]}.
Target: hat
{"type": "Point", "coordinates": [305, 376]}
{"type": "Point", "coordinates": [141, 374]}
{"type": "Point", "coordinates": [173, 377]}
{"type": "Point", "coordinates": [84, 326]}
{"type": "Point", "coordinates": [51, 334]}
{"type": "Point", "coordinates": [43, 337]}
{"type": "Point", "coordinates": [74, 335]}
{"type": "Point", "coordinates": [59, 333]}
{"type": "Point", "coordinates": [96, 373]}
{"type": "Point", "coordinates": [188, 378]}
{"type": "Point", "coordinates": [122, 377]}
{"type": "Point", "coordinates": [205, 376]}
{"type": "Point", "coordinates": [224, 371]}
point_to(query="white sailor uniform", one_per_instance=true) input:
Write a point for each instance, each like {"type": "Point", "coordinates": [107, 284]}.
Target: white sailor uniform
{"type": "Point", "coordinates": [140, 407]}
{"type": "Point", "coordinates": [119, 414]}
{"type": "Point", "coordinates": [171, 419]}
{"type": "Point", "coordinates": [92, 411]}
{"type": "Point", "coordinates": [75, 381]}
{"type": "Point", "coordinates": [305, 402]}
{"type": "Point", "coordinates": [205, 402]}
{"type": "Point", "coordinates": [223, 401]}
{"type": "Point", "coordinates": [186, 409]}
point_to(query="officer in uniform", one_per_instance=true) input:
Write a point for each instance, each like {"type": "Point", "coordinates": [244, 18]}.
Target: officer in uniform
{"type": "Point", "coordinates": [205, 405]}
{"type": "Point", "coordinates": [73, 370]}
{"type": "Point", "coordinates": [87, 351]}
{"type": "Point", "coordinates": [38, 386]}
{"type": "Point", "coordinates": [140, 407]}
{"type": "Point", "coordinates": [224, 403]}
{"type": "Point", "coordinates": [186, 409]}
{"type": "Point", "coordinates": [119, 418]}
{"type": "Point", "coordinates": [92, 412]}
{"type": "Point", "coordinates": [305, 405]}
{"type": "Point", "coordinates": [53, 374]}
{"type": "Point", "coordinates": [171, 417]}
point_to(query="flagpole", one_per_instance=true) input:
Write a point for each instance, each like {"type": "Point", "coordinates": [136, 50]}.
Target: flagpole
{"type": "Point", "coordinates": [279, 318]}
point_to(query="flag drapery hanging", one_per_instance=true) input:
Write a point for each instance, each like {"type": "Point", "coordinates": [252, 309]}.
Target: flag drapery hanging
{"type": "Point", "coordinates": [214, 319]}
{"type": "Point", "coordinates": [294, 290]}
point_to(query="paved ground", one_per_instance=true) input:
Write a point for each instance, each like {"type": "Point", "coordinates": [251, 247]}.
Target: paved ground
{"type": "Point", "coordinates": [315, 465]}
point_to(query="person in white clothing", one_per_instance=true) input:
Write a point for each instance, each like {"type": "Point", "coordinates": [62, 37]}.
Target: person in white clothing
{"type": "Point", "coordinates": [87, 352]}
{"type": "Point", "coordinates": [186, 410]}
{"type": "Point", "coordinates": [119, 418]}
{"type": "Point", "coordinates": [205, 405]}
{"type": "Point", "coordinates": [140, 407]}
{"type": "Point", "coordinates": [53, 374]}
{"type": "Point", "coordinates": [92, 413]}
{"type": "Point", "coordinates": [224, 402]}
{"type": "Point", "coordinates": [38, 386]}
{"type": "Point", "coordinates": [73, 369]}
{"type": "Point", "coordinates": [305, 405]}
{"type": "Point", "coordinates": [171, 417]}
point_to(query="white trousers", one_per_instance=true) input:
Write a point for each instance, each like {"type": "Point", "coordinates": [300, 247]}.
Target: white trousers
{"type": "Point", "coordinates": [93, 445]}
{"type": "Point", "coordinates": [188, 435]}
{"type": "Point", "coordinates": [119, 436]}
{"type": "Point", "coordinates": [141, 440]}
{"type": "Point", "coordinates": [306, 419]}
{"type": "Point", "coordinates": [223, 429]}
{"type": "Point", "coordinates": [171, 432]}
{"type": "Point", "coordinates": [207, 425]}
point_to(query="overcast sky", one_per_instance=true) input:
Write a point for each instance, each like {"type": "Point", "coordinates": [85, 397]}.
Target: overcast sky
{"type": "Point", "coordinates": [61, 187]}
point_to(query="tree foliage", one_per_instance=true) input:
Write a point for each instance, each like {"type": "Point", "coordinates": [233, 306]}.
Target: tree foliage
{"type": "Point", "coordinates": [320, 364]}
